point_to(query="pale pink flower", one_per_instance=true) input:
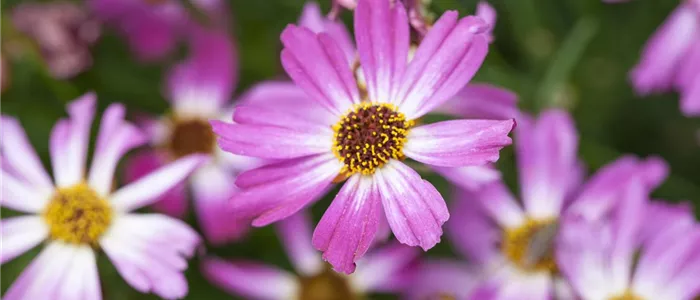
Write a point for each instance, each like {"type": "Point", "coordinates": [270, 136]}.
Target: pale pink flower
{"type": "Point", "coordinates": [79, 212]}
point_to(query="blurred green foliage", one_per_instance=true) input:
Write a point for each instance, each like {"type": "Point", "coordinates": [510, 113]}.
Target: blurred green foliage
{"type": "Point", "coordinates": [573, 54]}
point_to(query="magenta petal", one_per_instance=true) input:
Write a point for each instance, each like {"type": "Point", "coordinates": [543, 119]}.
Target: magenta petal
{"type": "Point", "coordinates": [414, 208]}
{"type": "Point", "coordinates": [207, 77]}
{"type": "Point", "coordinates": [599, 194]}
{"type": "Point", "coordinates": [458, 143]}
{"type": "Point", "coordinates": [443, 278]}
{"type": "Point", "coordinates": [444, 63]}
{"type": "Point", "coordinates": [274, 142]}
{"type": "Point", "coordinates": [485, 11]}
{"type": "Point", "coordinates": [248, 279]}
{"type": "Point", "coordinates": [664, 51]}
{"type": "Point", "coordinates": [471, 177]}
{"type": "Point", "coordinates": [390, 268]}
{"type": "Point", "coordinates": [546, 154]}
{"type": "Point", "coordinates": [667, 217]}
{"type": "Point", "coordinates": [174, 201]}
{"type": "Point", "coordinates": [481, 101]}
{"type": "Point", "coordinates": [295, 234]}
{"type": "Point", "coordinates": [690, 98]}
{"type": "Point", "coordinates": [349, 224]}
{"type": "Point", "coordinates": [303, 180]}
{"type": "Point", "coordinates": [471, 230]}
{"type": "Point", "coordinates": [626, 226]}
{"type": "Point", "coordinates": [151, 32]}
{"type": "Point", "coordinates": [276, 116]}
{"type": "Point", "coordinates": [212, 187]}
{"type": "Point", "coordinates": [287, 97]}
{"type": "Point", "coordinates": [382, 36]}
{"type": "Point", "coordinates": [312, 18]}
{"type": "Point", "coordinates": [318, 65]}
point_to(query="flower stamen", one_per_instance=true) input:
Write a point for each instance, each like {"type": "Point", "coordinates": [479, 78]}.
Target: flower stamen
{"type": "Point", "coordinates": [529, 246]}
{"type": "Point", "coordinates": [77, 215]}
{"type": "Point", "coordinates": [368, 136]}
{"type": "Point", "coordinates": [191, 136]}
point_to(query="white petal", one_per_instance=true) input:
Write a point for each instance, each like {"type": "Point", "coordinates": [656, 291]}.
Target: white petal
{"type": "Point", "coordinates": [19, 234]}
{"type": "Point", "coordinates": [20, 196]}
{"type": "Point", "coordinates": [147, 189]}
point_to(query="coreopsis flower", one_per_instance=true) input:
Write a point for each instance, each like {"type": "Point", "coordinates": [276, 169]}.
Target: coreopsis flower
{"type": "Point", "coordinates": [154, 27]}
{"type": "Point", "coordinates": [77, 213]}
{"type": "Point", "coordinates": [512, 243]}
{"type": "Point", "coordinates": [386, 269]}
{"type": "Point", "coordinates": [199, 89]}
{"type": "Point", "coordinates": [635, 249]}
{"type": "Point", "coordinates": [671, 58]}
{"type": "Point", "coordinates": [339, 134]}
{"type": "Point", "coordinates": [63, 32]}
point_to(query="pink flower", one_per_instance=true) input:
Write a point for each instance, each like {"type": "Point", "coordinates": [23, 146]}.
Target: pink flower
{"type": "Point", "coordinates": [78, 212]}
{"type": "Point", "coordinates": [634, 249]}
{"type": "Point", "coordinates": [671, 58]}
{"type": "Point", "coordinates": [510, 241]}
{"type": "Point", "coordinates": [153, 28]}
{"type": "Point", "coordinates": [386, 269]}
{"type": "Point", "coordinates": [63, 32]}
{"type": "Point", "coordinates": [339, 133]}
{"type": "Point", "coordinates": [199, 90]}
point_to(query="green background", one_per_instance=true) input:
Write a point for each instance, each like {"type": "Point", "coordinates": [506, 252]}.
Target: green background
{"type": "Point", "coordinates": [573, 54]}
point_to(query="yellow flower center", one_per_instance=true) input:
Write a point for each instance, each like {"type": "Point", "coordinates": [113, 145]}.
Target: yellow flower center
{"type": "Point", "coordinates": [191, 136]}
{"type": "Point", "coordinates": [327, 285]}
{"type": "Point", "coordinates": [530, 246]}
{"type": "Point", "coordinates": [77, 215]}
{"type": "Point", "coordinates": [368, 136]}
{"type": "Point", "coordinates": [628, 295]}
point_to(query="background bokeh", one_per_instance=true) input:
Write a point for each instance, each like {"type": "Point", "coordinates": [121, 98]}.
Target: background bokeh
{"type": "Point", "coordinates": [573, 54]}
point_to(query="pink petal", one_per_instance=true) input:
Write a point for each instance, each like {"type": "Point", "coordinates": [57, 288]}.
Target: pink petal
{"type": "Point", "coordinates": [414, 208]}
{"type": "Point", "coordinates": [546, 154]}
{"type": "Point", "coordinates": [690, 98]}
{"type": "Point", "coordinates": [116, 137]}
{"type": "Point", "coordinates": [664, 51]}
{"type": "Point", "coordinates": [471, 229]}
{"type": "Point", "coordinates": [286, 97]}
{"type": "Point", "coordinates": [174, 201]}
{"type": "Point", "coordinates": [274, 142]}
{"type": "Point", "coordinates": [149, 188]}
{"type": "Point", "coordinates": [60, 272]}
{"type": "Point", "coordinates": [386, 269]}
{"type": "Point", "coordinates": [21, 155]}
{"type": "Point", "coordinates": [151, 33]}
{"type": "Point", "coordinates": [212, 187]}
{"type": "Point", "coordinates": [295, 234]}
{"type": "Point", "coordinates": [458, 143]}
{"type": "Point", "coordinates": [443, 277]}
{"type": "Point", "coordinates": [292, 118]}
{"type": "Point", "coordinates": [382, 36]}
{"type": "Point", "coordinates": [481, 101]}
{"type": "Point", "coordinates": [471, 177]}
{"type": "Point", "coordinates": [600, 193]}
{"type": "Point", "coordinates": [73, 141]}
{"type": "Point", "coordinates": [204, 81]}
{"type": "Point", "coordinates": [150, 252]}
{"type": "Point", "coordinates": [626, 230]}
{"type": "Point", "coordinates": [303, 181]}
{"type": "Point", "coordinates": [250, 280]}
{"type": "Point", "coordinates": [20, 234]}
{"type": "Point", "coordinates": [348, 226]}
{"type": "Point", "coordinates": [317, 64]}
{"type": "Point", "coordinates": [312, 18]}
{"type": "Point", "coordinates": [667, 217]}
{"type": "Point", "coordinates": [20, 196]}
{"type": "Point", "coordinates": [444, 63]}
{"type": "Point", "coordinates": [485, 11]}
{"type": "Point", "coordinates": [500, 205]}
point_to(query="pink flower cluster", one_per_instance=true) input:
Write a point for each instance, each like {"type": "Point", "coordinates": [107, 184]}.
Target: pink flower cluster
{"type": "Point", "coordinates": [352, 115]}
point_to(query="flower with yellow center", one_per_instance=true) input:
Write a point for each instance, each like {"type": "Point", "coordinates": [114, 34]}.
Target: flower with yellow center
{"type": "Point", "coordinates": [335, 132]}
{"type": "Point", "coordinates": [79, 213]}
